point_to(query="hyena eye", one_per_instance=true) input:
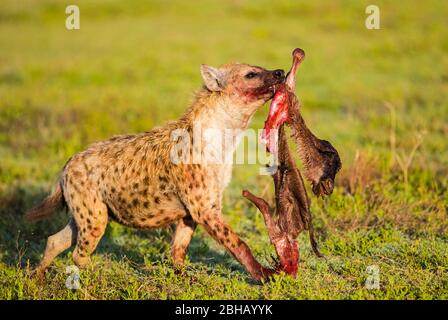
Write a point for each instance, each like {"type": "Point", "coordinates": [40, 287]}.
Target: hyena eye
{"type": "Point", "coordinates": [251, 75]}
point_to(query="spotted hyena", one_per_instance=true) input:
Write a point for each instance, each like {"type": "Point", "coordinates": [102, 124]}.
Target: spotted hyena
{"type": "Point", "coordinates": [134, 180]}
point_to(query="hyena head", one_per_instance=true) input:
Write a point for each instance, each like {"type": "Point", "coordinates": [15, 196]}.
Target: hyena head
{"type": "Point", "coordinates": [247, 87]}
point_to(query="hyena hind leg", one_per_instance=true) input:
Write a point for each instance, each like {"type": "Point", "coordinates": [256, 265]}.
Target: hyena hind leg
{"type": "Point", "coordinates": [56, 244]}
{"type": "Point", "coordinates": [91, 220]}
{"type": "Point", "coordinates": [181, 240]}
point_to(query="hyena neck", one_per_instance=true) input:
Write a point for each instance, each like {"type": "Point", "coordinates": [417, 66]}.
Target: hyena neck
{"type": "Point", "coordinates": [220, 120]}
{"type": "Point", "coordinates": [218, 110]}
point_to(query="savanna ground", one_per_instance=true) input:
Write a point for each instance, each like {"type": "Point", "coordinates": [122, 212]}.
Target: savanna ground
{"type": "Point", "coordinates": [380, 96]}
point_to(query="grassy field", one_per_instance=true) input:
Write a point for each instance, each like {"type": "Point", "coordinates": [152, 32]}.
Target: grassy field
{"type": "Point", "coordinates": [380, 96]}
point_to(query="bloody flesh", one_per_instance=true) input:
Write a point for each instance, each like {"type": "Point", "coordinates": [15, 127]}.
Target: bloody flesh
{"type": "Point", "coordinates": [278, 109]}
{"type": "Point", "coordinates": [278, 114]}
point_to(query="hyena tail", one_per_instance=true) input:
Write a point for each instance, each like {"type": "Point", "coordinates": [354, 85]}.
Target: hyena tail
{"type": "Point", "coordinates": [50, 205]}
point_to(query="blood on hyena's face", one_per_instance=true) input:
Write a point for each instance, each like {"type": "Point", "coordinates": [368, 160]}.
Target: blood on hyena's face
{"type": "Point", "coordinates": [254, 84]}
{"type": "Point", "coordinates": [249, 84]}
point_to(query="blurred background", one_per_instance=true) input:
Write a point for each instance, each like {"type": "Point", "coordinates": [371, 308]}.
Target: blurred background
{"type": "Point", "coordinates": [379, 96]}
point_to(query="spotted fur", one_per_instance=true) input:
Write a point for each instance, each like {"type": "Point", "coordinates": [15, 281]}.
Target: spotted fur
{"type": "Point", "coordinates": [131, 178]}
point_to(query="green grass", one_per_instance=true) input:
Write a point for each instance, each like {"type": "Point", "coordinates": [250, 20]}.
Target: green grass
{"type": "Point", "coordinates": [134, 66]}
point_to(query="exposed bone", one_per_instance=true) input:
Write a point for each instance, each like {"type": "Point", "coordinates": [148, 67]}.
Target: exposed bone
{"type": "Point", "coordinates": [297, 57]}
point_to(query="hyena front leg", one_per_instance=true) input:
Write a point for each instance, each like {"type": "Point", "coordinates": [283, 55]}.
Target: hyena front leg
{"type": "Point", "coordinates": [181, 239]}
{"type": "Point", "coordinates": [56, 244]}
{"type": "Point", "coordinates": [90, 215]}
{"type": "Point", "coordinates": [215, 225]}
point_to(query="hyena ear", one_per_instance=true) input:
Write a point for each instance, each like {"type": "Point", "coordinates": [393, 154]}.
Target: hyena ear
{"type": "Point", "coordinates": [213, 78]}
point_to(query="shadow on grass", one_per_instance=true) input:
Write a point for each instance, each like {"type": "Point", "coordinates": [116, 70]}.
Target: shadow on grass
{"type": "Point", "coordinates": [22, 242]}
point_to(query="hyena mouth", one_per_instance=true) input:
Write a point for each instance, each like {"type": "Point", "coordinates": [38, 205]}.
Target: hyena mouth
{"type": "Point", "coordinates": [265, 92]}
{"type": "Point", "coordinates": [272, 89]}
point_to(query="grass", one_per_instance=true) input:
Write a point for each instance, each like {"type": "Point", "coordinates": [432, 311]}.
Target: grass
{"type": "Point", "coordinates": [372, 93]}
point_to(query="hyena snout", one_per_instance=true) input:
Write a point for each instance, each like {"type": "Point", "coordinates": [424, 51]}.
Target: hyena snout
{"type": "Point", "coordinates": [279, 74]}
{"type": "Point", "coordinates": [273, 78]}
